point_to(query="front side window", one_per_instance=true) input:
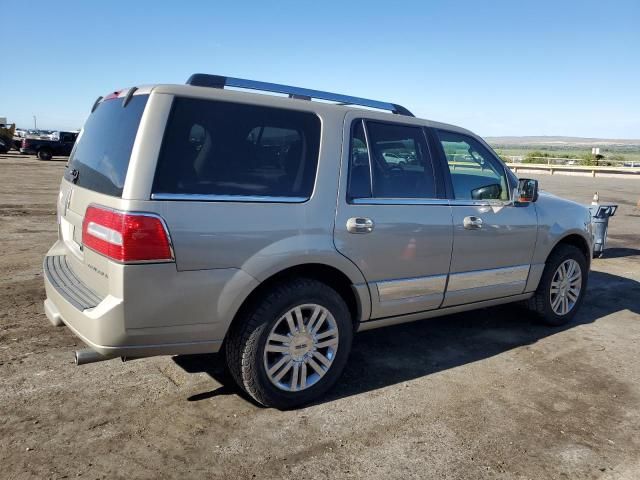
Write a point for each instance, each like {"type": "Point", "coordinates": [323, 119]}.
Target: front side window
{"type": "Point", "coordinates": [222, 148]}
{"type": "Point", "coordinates": [390, 161]}
{"type": "Point", "coordinates": [475, 173]}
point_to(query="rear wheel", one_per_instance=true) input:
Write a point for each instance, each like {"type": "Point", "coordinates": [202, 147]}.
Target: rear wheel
{"type": "Point", "coordinates": [292, 345]}
{"type": "Point", "coordinates": [562, 286]}
{"type": "Point", "coordinates": [44, 154]}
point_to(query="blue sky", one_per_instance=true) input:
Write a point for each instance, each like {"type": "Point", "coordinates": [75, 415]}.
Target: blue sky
{"type": "Point", "coordinates": [499, 68]}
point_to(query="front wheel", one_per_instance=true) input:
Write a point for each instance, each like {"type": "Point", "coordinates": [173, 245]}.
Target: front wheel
{"type": "Point", "coordinates": [562, 286]}
{"type": "Point", "coordinates": [292, 345]}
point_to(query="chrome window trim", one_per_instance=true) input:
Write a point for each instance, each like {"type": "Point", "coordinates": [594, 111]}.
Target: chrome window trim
{"type": "Point", "coordinates": [479, 203]}
{"type": "Point", "coordinates": [430, 201]}
{"type": "Point", "coordinates": [399, 201]}
{"type": "Point", "coordinates": [197, 197]}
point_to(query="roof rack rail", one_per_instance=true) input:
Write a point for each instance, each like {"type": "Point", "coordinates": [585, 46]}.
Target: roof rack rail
{"type": "Point", "coordinates": [217, 81]}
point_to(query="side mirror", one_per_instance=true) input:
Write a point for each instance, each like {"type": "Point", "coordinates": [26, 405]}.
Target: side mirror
{"type": "Point", "coordinates": [487, 192]}
{"type": "Point", "coordinates": [527, 191]}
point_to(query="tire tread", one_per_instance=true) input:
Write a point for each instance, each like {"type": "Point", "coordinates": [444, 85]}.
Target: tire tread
{"type": "Point", "coordinates": [243, 342]}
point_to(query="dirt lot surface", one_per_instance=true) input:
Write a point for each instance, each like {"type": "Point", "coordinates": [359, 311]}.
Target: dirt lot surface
{"type": "Point", "coordinates": [486, 394]}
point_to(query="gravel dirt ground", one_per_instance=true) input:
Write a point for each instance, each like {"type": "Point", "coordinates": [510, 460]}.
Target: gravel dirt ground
{"type": "Point", "coordinates": [485, 394]}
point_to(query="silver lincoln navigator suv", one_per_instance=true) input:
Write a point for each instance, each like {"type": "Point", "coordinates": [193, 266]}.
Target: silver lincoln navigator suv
{"type": "Point", "coordinates": [200, 218]}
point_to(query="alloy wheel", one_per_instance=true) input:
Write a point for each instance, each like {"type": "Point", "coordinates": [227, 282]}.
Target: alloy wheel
{"type": "Point", "coordinates": [301, 347]}
{"type": "Point", "coordinates": [565, 287]}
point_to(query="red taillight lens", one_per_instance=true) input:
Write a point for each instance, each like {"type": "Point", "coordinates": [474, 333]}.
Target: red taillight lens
{"type": "Point", "coordinates": [25, 143]}
{"type": "Point", "coordinates": [126, 237]}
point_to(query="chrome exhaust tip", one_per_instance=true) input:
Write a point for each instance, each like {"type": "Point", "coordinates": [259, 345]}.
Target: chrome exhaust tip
{"type": "Point", "coordinates": [89, 356]}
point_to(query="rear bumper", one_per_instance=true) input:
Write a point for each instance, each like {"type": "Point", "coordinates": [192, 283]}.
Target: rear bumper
{"type": "Point", "coordinates": [78, 325]}
{"type": "Point", "coordinates": [27, 151]}
{"type": "Point", "coordinates": [163, 312]}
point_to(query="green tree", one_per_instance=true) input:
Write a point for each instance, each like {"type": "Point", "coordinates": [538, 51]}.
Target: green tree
{"type": "Point", "coordinates": [534, 157]}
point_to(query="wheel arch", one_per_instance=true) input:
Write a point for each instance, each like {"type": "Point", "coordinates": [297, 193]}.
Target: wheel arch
{"type": "Point", "coordinates": [355, 296]}
{"type": "Point", "coordinates": [577, 241]}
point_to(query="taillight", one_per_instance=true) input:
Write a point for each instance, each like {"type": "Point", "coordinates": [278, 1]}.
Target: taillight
{"type": "Point", "coordinates": [25, 143]}
{"type": "Point", "coordinates": [126, 237]}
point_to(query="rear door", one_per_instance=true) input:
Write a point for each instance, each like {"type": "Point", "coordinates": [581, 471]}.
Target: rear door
{"type": "Point", "coordinates": [96, 174]}
{"type": "Point", "coordinates": [392, 219]}
{"type": "Point", "coordinates": [493, 238]}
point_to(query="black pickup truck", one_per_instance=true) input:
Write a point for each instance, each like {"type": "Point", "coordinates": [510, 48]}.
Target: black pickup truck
{"type": "Point", "coordinates": [45, 149]}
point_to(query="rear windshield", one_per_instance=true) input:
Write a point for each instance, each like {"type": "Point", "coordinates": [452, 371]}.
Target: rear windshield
{"type": "Point", "coordinates": [102, 152]}
{"type": "Point", "coordinates": [226, 149]}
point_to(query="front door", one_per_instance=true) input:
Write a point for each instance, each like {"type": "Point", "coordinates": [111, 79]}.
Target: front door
{"type": "Point", "coordinates": [393, 220]}
{"type": "Point", "coordinates": [493, 239]}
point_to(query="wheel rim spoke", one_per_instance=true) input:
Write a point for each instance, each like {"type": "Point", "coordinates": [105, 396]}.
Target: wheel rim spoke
{"type": "Point", "coordinates": [327, 333]}
{"type": "Point", "coordinates": [324, 360]}
{"type": "Point", "coordinates": [566, 286]}
{"type": "Point", "coordinates": [314, 316]}
{"type": "Point", "coordinates": [277, 348]}
{"type": "Point", "coordinates": [322, 317]}
{"type": "Point", "coordinates": [279, 338]}
{"type": "Point", "coordinates": [277, 366]}
{"type": "Point", "coordinates": [284, 370]}
{"type": "Point", "coordinates": [299, 322]}
{"type": "Point", "coordinates": [301, 347]}
{"type": "Point", "coordinates": [318, 369]}
{"type": "Point", "coordinates": [303, 376]}
{"type": "Point", "coordinates": [290, 323]}
{"type": "Point", "coordinates": [328, 343]}
{"type": "Point", "coordinates": [573, 295]}
{"type": "Point", "coordinates": [294, 377]}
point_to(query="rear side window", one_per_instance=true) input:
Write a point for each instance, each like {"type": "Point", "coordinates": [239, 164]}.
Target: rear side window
{"type": "Point", "coordinates": [229, 149]}
{"type": "Point", "coordinates": [102, 152]}
{"type": "Point", "coordinates": [390, 161]}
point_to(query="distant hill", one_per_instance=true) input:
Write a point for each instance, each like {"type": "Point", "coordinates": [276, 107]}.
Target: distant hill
{"type": "Point", "coordinates": [560, 141]}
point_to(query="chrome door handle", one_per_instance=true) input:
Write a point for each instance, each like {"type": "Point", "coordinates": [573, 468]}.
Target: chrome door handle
{"type": "Point", "coordinates": [360, 225]}
{"type": "Point", "coordinates": [472, 223]}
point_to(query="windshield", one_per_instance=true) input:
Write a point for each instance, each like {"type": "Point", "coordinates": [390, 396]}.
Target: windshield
{"type": "Point", "coordinates": [101, 155]}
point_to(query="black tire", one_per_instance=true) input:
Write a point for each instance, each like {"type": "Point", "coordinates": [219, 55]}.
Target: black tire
{"type": "Point", "coordinates": [44, 154]}
{"type": "Point", "coordinates": [246, 341]}
{"type": "Point", "coordinates": [540, 303]}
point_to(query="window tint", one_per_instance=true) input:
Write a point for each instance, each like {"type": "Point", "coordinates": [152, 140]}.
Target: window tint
{"type": "Point", "coordinates": [223, 148]}
{"type": "Point", "coordinates": [400, 162]}
{"type": "Point", "coordinates": [475, 173]}
{"type": "Point", "coordinates": [359, 173]}
{"type": "Point", "coordinates": [101, 155]}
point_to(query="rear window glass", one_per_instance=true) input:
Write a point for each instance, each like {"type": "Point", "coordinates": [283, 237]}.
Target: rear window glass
{"type": "Point", "coordinates": [101, 154]}
{"type": "Point", "coordinates": [229, 149]}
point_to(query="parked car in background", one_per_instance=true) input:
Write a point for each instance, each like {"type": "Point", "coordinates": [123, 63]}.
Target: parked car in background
{"type": "Point", "coordinates": [5, 146]}
{"type": "Point", "coordinates": [44, 149]}
{"type": "Point", "coordinates": [18, 136]}
{"type": "Point", "coordinates": [197, 219]}
{"type": "Point", "coordinates": [6, 136]}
